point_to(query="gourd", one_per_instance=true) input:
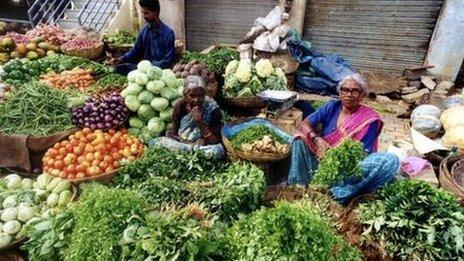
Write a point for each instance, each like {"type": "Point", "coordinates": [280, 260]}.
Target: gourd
{"type": "Point", "coordinates": [427, 125]}
{"type": "Point", "coordinates": [452, 116]}
{"type": "Point", "coordinates": [425, 110]}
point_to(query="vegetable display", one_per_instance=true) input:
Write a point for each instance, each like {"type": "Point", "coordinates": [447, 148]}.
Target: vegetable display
{"type": "Point", "coordinates": [151, 94]}
{"type": "Point", "coordinates": [216, 60]}
{"type": "Point", "coordinates": [109, 81]}
{"type": "Point", "coordinates": [290, 231]}
{"type": "Point", "coordinates": [31, 48]}
{"type": "Point", "coordinates": [120, 38]}
{"type": "Point", "coordinates": [340, 163]}
{"type": "Point", "coordinates": [196, 68]}
{"type": "Point", "coordinates": [181, 177]}
{"type": "Point", "coordinates": [100, 218]}
{"type": "Point", "coordinates": [90, 153]}
{"type": "Point", "coordinates": [76, 78]}
{"type": "Point", "coordinates": [23, 200]}
{"type": "Point", "coordinates": [414, 220]}
{"type": "Point", "coordinates": [108, 112]}
{"type": "Point", "coordinates": [35, 109]}
{"type": "Point", "coordinates": [243, 79]}
{"type": "Point", "coordinates": [52, 34]}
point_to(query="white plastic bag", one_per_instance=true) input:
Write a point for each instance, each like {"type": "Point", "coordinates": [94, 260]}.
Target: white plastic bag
{"type": "Point", "coordinates": [272, 20]}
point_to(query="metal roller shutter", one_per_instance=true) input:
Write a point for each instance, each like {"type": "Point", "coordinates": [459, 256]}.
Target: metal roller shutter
{"type": "Point", "coordinates": [374, 35]}
{"type": "Point", "coordinates": [211, 22]}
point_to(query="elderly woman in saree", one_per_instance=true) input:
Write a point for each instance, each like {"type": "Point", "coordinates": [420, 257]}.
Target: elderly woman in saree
{"type": "Point", "coordinates": [196, 121]}
{"type": "Point", "coordinates": [337, 120]}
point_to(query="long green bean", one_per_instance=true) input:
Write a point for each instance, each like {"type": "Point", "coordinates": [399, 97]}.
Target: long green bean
{"type": "Point", "coordinates": [34, 109]}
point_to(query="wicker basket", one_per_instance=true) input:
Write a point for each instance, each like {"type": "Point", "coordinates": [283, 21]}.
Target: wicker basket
{"type": "Point", "coordinates": [447, 180]}
{"type": "Point", "coordinates": [255, 157]}
{"type": "Point", "coordinates": [104, 178]}
{"type": "Point", "coordinates": [90, 53]}
{"type": "Point", "coordinates": [457, 172]}
{"type": "Point", "coordinates": [254, 102]}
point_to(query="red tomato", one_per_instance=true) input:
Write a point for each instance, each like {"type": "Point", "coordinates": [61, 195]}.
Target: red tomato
{"type": "Point", "coordinates": [80, 175]}
{"type": "Point", "coordinates": [112, 131]}
{"type": "Point", "coordinates": [74, 143]}
{"type": "Point", "coordinates": [108, 159]}
{"type": "Point", "coordinates": [100, 147]}
{"type": "Point", "coordinates": [59, 157]}
{"type": "Point", "coordinates": [81, 168]}
{"type": "Point", "coordinates": [89, 148]}
{"type": "Point", "coordinates": [86, 164]}
{"type": "Point", "coordinates": [109, 168]}
{"type": "Point", "coordinates": [116, 155]}
{"type": "Point", "coordinates": [45, 159]}
{"type": "Point", "coordinates": [71, 169]}
{"type": "Point", "coordinates": [71, 176]}
{"type": "Point", "coordinates": [51, 163]}
{"type": "Point", "coordinates": [55, 172]}
{"type": "Point", "coordinates": [56, 146]}
{"type": "Point", "coordinates": [53, 152]}
{"type": "Point", "coordinates": [116, 164]}
{"type": "Point", "coordinates": [63, 175]}
{"type": "Point", "coordinates": [89, 157]}
{"type": "Point", "coordinates": [78, 150]}
{"type": "Point", "coordinates": [62, 151]}
{"type": "Point", "coordinates": [86, 131]}
{"type": "Point", "coordinates": [103, 165]}
{"type": "Point", "coordinates": [46, 168]}
{"type": "Point", "coordinates": [98, 155]}
{"type": "Point", "coordinates": [96, 162]}
{"type": "Point", "coordinates": [58, 165]}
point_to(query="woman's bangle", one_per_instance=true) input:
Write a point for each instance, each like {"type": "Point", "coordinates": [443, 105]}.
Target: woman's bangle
{"type": "Point", "coordinates": [207, 135]}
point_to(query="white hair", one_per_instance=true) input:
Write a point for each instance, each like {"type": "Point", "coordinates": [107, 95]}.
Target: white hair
{"type": "Point", "coordinates": [194, 81]}
{"type": "Point", "coordinates": [358, 79]}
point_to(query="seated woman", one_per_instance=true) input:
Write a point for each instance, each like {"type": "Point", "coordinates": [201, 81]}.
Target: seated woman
{"type": "Point", "coordinates": [344, 118]}
{"type": "Point", "coordinates": [196, 121]}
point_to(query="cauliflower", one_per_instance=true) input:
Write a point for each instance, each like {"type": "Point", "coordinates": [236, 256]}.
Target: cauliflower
{"type": "Point", "coordinates": [231, 67]}
{"type": "Point", "coordinates": [231, 86]}
{"type": "Point", "coordinates": [243, 72]}
{"type": "Point", "coordinates": [264, 68]}
{"type": "Point", "coordinates": [255, 85]}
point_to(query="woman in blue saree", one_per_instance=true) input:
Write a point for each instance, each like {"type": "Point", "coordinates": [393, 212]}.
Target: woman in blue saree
{"type": "Point", "coordinates": [345, 118]}
{"type": "Point", "coordinates": [196, 122]}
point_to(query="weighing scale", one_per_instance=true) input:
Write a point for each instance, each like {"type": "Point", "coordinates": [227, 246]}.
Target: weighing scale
{"type": "Point", "coordinates": [278, 102]}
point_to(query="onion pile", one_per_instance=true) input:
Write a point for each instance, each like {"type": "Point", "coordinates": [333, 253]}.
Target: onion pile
{"type": "Point", "coordinates": [104, 113]}
{"type": "Point", "coordinates": [81, 43]}
{"type": "Point", "coordinates": [53, 34]}
{"type": "Point", "coordinates": [17, 38]}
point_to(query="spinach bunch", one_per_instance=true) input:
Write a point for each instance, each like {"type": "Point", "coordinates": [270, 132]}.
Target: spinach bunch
{"type": "Point", "coordinates": [340, 163]}
{"type": "Point", "coordinates": [100, 218]}
{"type": "Point", "coordinates": [253, 133]}
{"type": "Point", "coordinates": [290, 231]}
{"type": "Point", "coordinates": [48, 236]}
{"type": "Point", "coordinates": [172, 234]}
{"type": "Point", "coordinates": [216, 60]}
{"type": "Point", "coordinates": [415, 221]}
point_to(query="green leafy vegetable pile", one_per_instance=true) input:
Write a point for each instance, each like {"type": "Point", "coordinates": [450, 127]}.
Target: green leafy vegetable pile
{"type": "Point", "coordinates": [216, 60]}
{"type": "Point", "coordinates": [415, 221]}
{"type": "Point", "coordinates": [101, 216]}
{"type": "Point", "coordinates": [290, 231]}
{"type": "Point", "coordinates": [339, 163]}
{"type": "Point", "coordinates": [109, 81]}
{"type": "Point", "coordinates": [162, 176]}
{"type": "Point", "coordinates": [35, 109]}
{"type": "Point", "coordinates": [253, 133]}
{"type": "Point", "coordinates": [48, 236]}
{"type": "Point", "coordinates": [120, 38]}
{"type": "Point", "coordinates": [188, 233]}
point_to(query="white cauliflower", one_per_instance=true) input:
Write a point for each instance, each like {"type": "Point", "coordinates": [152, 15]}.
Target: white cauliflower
{"type": "Point", "coordinates": [231, 67]}
{"type": "Point", "coordinates": [243, 72]}
{"type": "Point", "coordinates": [264, 68]}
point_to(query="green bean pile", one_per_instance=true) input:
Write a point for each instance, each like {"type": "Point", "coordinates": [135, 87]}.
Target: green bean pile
{"type": "Point", "coordinates": [34, 109]}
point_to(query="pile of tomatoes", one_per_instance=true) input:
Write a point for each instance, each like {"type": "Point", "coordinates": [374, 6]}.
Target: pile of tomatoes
{"type": "Point", "coordinates": [89, 153]}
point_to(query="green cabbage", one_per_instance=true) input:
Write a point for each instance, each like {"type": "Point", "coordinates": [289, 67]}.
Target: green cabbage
{"type": "Point", "coordinates": [136, 123]}
{"type": "Point", "coordinates": [133, 89]}
{"type": "Point", "coordinates": [132, 103]}
{"type": "Point", "coordinates": [9, 214]}
{"type": "Point", "coordinates": [154, 73]}
{"type": "Point", "coordinates": [173, 102]}
{"type": "Point", "coordinates": [169, 93]}
{"type": "Point", "coordinates": [141, 79]}
{"type": "Point", "coordinates": [12, 227]}
{"type": "Point", "coordinates": [169, 78]}
{"type": "Point", "coordinates": [64, 198]}
{"type": "Point", "coordinates": [159, 104]}
{"type": "Point", "coordinates": [145, 112]}
{"type": "Point", "coordinates": [166, 115]}
{"type": "Point", "coordinates": [52, 199]}
{"type": "Point", "coordinates": [10, 201]}
{"type": "Point", "coordinates": [155, 125]}
{"type": "Point", "coordinates": [25, 214]}
{"type": "Point", "coordinates": [145, 97]}
{"type": "Point", "coordinates": [144, 66]}
{"type": "Point", "coordinates": [155, 86]}
{"type": "Point", "coordinates": [134, 131]}
{"type": "Point", "coordinates": [131, 76]}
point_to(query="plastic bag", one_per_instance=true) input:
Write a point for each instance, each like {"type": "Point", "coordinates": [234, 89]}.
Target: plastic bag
{"type": "Point", "coordinates": [272, 20]}
{"type": "Point", "coordinates": [451, 102]}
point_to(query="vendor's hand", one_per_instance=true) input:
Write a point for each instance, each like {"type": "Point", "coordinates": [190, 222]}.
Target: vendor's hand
{"type": "Point", "coordinates": [322, 147]}
{"type": "Point", "coordinates": [115, 61]}
{"type": "Point", "coordinates": [197, 114]}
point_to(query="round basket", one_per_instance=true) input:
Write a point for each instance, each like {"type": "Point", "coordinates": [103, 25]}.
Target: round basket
{"type": "Point", "coordinates": [447, 179]}
{"type": "Point", "coordinates": [255, 156]}
{"type": "Point", "coordinates": [457, 172]}
{"type": "Point", "coordinates": [104, 178]}
{"type": "Point", "coordinates": [89, 53]}
{"type": "Point", "coordinates": [254, 102]}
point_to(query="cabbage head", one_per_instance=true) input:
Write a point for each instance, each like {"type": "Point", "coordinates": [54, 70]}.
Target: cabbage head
{"type": "Point", "coordinates": [131, 76]}
{"type": "Point", "coordinates": [146, 112]}
{"type": "Point", "coordinates": [264, 68]}
{"type": "Point", "coordinates": [144, 66]}
{"type": "Point", "coordinates": [169, 78]}
{"type": "Point", "coordinates": [155, 86]}
{"type": "Point", "coordinates": [132, 103]}
{"type": "Point", "coordinates": [154, 73]}
{"type": "Point", "coordinates": [141, 79]}
{"type": "Point", "coordinates": [133, 89]}
{"type": "Point", "coordinates": [159, 104]}
{"type": "Point", "coordinates": [156, 125]}
{"type": "Point", "coordinates": [169, 93]}
{"type": "Point", "coordinates": [135, 122]}
{"type": "Point", "coordinates": [145, 97]}
{"type": "Point", "coordinates": [166, 115]}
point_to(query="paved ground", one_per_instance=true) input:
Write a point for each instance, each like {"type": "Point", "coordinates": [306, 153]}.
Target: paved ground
{"type": "Point", "coordinates": [394, 129]}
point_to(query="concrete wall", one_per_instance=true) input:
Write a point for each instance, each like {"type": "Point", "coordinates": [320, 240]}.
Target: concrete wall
{"type": "Point", "coordinates": [173, 14]}
{"type": "Point", "coordinates": [446, 50]}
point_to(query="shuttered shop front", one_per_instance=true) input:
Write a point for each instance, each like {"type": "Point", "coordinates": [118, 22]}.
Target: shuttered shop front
{"type": "Point", "coordinates": [211, 22]}
{"type": "Point", "coordinates": [374, 35]}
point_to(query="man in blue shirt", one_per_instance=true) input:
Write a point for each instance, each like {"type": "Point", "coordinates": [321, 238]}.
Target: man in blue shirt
{"type": "Point", "coordinates": [154, 43]}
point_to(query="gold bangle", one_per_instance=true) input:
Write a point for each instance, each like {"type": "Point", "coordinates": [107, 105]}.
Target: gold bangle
{"type": "Point", "coordinates": [209, 134]}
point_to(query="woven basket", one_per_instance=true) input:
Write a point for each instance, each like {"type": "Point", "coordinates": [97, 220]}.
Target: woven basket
{"type": "Point", "coordinates": [254, 102]}
{"type": "Point", "coordinates": [457, 172]}
{"type": "Point", "coordinates": [447, 180]}
{"type": "Point", "coordinates": [89, 53]}
{"type": "Point", "coordinates": [104, 178]}
{"type": "Point", "coordinates": [255, 157]}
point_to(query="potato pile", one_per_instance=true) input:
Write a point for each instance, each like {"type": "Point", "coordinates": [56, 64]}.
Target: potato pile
{"type": "Point", "coordinates": [78, 78]}
{"type": "Point", "coordinates": [265, 145]}
{"type": "Point", "coordinates": [199, 69]}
